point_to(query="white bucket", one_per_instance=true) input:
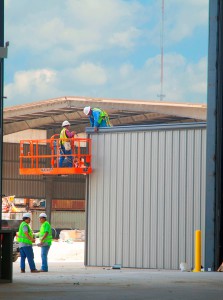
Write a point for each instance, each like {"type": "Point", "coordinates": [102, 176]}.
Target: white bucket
{"type": "Point", "coordinates": [183, 266]}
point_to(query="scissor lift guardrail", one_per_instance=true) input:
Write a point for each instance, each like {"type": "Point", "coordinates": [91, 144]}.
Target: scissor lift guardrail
{"type": "Point", "coordinates": [41, 157]}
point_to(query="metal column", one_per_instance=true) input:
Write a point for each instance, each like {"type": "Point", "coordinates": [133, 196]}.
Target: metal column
{"type": "Point", "coordinates": [49, 196]}
{"type": "Point", "coordinates": [214, 184]}
{"type": "Point", "coordinates": [1, 98]}
{"type": "Point", "coordinates": [6, 236]}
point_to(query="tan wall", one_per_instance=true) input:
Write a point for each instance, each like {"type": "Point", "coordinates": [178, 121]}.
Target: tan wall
{"type": "Point", "coordinates": [62, 219]}
{"type": "Point", "coordinates": [30, 134]}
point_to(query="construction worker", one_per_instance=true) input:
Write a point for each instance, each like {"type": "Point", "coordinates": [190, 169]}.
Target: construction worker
{"type": "Point", "coordinates": [98, 117]}
{"type": "Point", "coordinates": [65, 146]}
{"type": "Point", "coordinates": [45, 236]}
{"type": "Point", "coordinates": [25, 239]}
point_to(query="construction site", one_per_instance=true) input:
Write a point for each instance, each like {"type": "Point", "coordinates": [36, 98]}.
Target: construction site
{"type": "Point", "coordinates": [136, 207]}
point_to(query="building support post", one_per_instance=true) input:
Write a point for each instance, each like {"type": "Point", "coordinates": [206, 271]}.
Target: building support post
{"type": "Point", "coordinates": [1, 99]}
{"type": "Point", "coordinates": [49, 196]}
{"type": "Point", "coordinates": [214, 173]}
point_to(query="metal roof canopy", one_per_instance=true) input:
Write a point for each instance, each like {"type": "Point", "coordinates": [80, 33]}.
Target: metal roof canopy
{"type": "Point", "coordinates": [50, 114]}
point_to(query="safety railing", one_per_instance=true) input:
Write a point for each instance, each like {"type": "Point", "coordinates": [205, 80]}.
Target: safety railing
{"type": "Point", "coordinates": [47, 157]}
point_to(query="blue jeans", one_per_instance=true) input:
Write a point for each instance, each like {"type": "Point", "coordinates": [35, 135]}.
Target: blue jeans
{"type": "Point", "coordinates": [44, 254]}
{"type": "Point", "coordinates": [64, 152]}
{"type": "Point", "coordinates": [27, 252]}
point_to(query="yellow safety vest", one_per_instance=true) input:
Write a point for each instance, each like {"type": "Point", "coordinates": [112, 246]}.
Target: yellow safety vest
{"type": "Point", "coordinates": [63, 136]}
{"type": "Point", "coordinates": [103, 116]}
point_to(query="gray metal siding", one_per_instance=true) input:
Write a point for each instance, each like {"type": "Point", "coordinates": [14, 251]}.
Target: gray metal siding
{"type": "Point", "coordinates": [146, 197]}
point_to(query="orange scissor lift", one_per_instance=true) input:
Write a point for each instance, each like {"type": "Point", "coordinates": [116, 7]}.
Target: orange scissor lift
{"type": "Point", "coordinates": [41, 157]}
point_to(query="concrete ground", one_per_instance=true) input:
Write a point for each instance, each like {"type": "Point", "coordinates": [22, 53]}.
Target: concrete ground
{"type": "Point", "coordinates": [68, 278]}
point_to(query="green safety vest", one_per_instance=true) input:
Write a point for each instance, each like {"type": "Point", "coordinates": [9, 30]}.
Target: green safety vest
{"type": "Point", "coordinates": [49, 237]}
{"type": "Point", "coordinates": [103, 116]}
{"type": "Point", "coordinates": [22, 238]}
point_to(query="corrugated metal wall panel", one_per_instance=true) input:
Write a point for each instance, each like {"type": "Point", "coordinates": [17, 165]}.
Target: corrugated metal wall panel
{"type": "Point", "coordinates": [146, 217]}
{"type": "Point", "coordinates": [182, 195]}
{"type": "Point", "coordinates": [106, 201]}
{"type": "Point", "coordinates": [69, 189]}
{"type": "Point", "coordinates": [62, 219]}
{"type": "Point", "coordinates": [140, 199]}
{"type": "Point", "coordinates": [150, 191]}
{"type": "Point", "coordinates": [119, 176]}
{"type": "Point", "coordinates": [24, 188]}
{"type": "Point", "coordinates": [126, 198]}
{"type": "Point", "coordinates": [153, 199]}
{"type": "Point", "coordinates": [132, 192]}
{"type": "Point", "coordinates": [174, 254]}
{"type": "Point", "coordinates": [203, 194]}
{"type": "Point", "coordinates": [92, 208]}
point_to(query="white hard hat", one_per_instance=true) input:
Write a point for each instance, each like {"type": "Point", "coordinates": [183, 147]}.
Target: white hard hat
{"type": "Point", "coordinates": [42, 215]}
{"type": "Point", "coordinates": [65, 123]}
{"type": "Point", "coordinates": [26, 215]}
{"type": "Point", "coordinates": [87, 110]}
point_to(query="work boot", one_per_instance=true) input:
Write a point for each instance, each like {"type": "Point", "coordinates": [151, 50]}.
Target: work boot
{"type": "Point", "coordinates": [34, 271]}
{"type": "Point", "coordinates": [23, 271]}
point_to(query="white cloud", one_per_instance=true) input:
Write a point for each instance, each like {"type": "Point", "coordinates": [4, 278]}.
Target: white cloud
{"type": "Point", "coordinates": [80, 25]}
{"type": "Point", "coordinates": [197, 74]}
{"type": "Point", "coordinates": [183, 17]}
{"type": "Point", "coordinates": [90, 74]}
{"type": "Point", "coordinates": [30, 85]}
{"type": "Point", "coordinates": [183, 81]}
{"type": "Point", "coordinates": [102, 49]}
{"type": "Point", "coordinates": [125, 39]}
{"type": "Point", "coordinates": [126, 70]}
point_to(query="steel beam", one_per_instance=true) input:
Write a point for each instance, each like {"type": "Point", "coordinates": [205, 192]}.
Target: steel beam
{"type": "Point", "coordinates": [214, 177]}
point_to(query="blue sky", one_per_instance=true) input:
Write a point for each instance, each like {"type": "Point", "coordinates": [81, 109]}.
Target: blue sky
{"type": "Point", "coordinates": [105, 49]}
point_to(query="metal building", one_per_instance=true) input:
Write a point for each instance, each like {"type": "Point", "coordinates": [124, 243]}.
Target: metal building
{"type": "Point", "coordinates": [47, 116]}
{"type": "Point", "coordinates": [146, 196]}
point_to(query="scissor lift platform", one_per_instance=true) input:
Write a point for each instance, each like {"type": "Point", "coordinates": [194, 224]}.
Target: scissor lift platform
{"type": "Point", "coordinates": [41, 157]}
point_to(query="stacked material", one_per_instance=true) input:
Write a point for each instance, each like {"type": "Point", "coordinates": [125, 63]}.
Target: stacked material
{"type": "Point", "coordinates": [72, 235]}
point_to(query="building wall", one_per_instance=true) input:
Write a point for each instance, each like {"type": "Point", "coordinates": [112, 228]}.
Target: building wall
{"type": "Point", "coordinates": [62, 219]}
{"type": "Point", "coordinates": [29, 134]}
{"type": "Point", "coordinates": [146, 196]}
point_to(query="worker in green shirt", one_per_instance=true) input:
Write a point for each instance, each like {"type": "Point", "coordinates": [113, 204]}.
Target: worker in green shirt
{"type": "Point", "coordinates": [45, 236]}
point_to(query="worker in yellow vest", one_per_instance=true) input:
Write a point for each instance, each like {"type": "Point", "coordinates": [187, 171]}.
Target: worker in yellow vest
{"type": "Point", "coordinates": [25, 239]}
{"type": "Point", "coordinates": [65, 145]}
